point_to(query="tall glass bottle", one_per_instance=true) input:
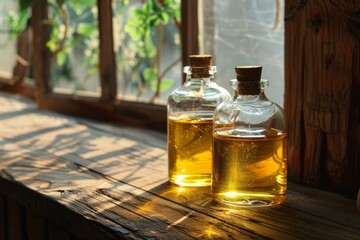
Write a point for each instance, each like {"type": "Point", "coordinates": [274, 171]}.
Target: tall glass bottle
{"type": "Point", "coordinates": [249, 144]}
{"type": "Point", "coordinates": [190, 116]}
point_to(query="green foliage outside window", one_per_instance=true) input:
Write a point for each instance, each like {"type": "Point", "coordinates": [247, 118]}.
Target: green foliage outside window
{"type": "Point", "coordinates": [74, 26]}
{"type": "Point", "coordinates": [140, 46]}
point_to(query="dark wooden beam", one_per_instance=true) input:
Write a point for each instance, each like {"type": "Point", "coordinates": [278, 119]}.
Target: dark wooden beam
{"type": "Point", "coordinates": [42, 55]}
{"type": "Point", "coordinates": [106, 54]}
{"type": "Point", "coordinates": [189, 29]}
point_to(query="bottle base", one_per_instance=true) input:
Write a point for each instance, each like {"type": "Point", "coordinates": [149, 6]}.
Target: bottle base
{"type": "Point", "coordinates": [183, 180]}
{"type": "Point", "coordinates": [249, 200]}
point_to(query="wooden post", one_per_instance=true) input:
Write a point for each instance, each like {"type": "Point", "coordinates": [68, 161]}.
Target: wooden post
{"type": "Point", "coordinates": [41, 61]}
{"type": "Point", "coordinates": [322, 93]}
{"type": "Point", "coordinates": [107, 55]}
{"type": "Point", "coordinates": [189, 30]}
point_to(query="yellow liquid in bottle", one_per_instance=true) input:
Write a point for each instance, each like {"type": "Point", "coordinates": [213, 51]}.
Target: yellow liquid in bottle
{"type": "Point", "coordinates": [250, 171]}
{"type": "Point", "coordinates": [190, 152]}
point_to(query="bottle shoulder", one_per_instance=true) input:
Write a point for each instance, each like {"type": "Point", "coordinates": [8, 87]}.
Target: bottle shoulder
{"type": "Point", "coordinates": [249, 115]}
{"type": "Point", "coordinates": [210, 92]}
{"type": "Point", "coordinates": [199, 102]}
{"type": "Point", "coordinates": [252, 105]}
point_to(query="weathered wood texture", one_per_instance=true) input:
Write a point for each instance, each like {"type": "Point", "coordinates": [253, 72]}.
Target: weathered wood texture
{"type": "Point", "coordinates": [322, 89]}
{"type": "Point", "coordinates": [84, 180]}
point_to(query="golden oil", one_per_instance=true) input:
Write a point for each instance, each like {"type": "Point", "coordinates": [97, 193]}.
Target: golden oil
{"type": "Point", "coordinates": [190, 152]}
{"type": "Point", "coordinates": [249, 171]}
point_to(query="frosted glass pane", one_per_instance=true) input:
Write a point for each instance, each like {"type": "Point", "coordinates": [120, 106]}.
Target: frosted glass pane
{"type": "Point", "coordinates": [74, 46]}
{"type": "Point", "coordinates": [242, 32]}
{"type": "Point", "coordinates": [7, 44]}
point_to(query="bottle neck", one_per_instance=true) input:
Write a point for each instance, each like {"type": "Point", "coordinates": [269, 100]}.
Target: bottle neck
{"type": "Point", "coordinates": [200, 73]}
{"type": "Point", "coordinates": [191, 77]}
{"type": "Point", "coordinates": [248, 88]}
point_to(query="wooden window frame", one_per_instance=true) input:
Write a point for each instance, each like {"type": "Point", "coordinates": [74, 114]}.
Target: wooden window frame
{"type": "Point", "coordinates": [107, 107]}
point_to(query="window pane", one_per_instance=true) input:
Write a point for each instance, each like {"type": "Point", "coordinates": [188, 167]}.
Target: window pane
{"type": "Point", "coordinates": [74, 46]}
{"type": "Point", "coordinates": [147, 45]}
{"type": "Point", "coordinates": [12, 23]}
{"type": "Point", "coordinates": [245, 32]}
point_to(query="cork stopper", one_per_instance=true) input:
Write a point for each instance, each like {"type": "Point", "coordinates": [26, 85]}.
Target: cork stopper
{"type": "Point", "coordinates": [200, 65]}
{"type": "Point", "coordinates": [248, 78]}
{"type": "Point", "coordinates": [248, 73]}
{"type": "Point", "coordinates": [200, 61]}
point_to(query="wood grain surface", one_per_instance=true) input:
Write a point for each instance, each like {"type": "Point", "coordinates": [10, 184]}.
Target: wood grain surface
{"type": "Point", "coordinates": [68, 178]}
{"type": "Point", "coordinates": [322, 88]}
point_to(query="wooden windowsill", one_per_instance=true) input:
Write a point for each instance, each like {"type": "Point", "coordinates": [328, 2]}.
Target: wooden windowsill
{"type": "Point", "coordinates": [75, 179]}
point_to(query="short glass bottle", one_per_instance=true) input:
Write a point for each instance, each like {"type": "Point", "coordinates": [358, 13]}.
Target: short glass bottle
{"type": "Point", "coordinates": [190, 111]}
{"type": "Point", "coordinates": [249, 145]}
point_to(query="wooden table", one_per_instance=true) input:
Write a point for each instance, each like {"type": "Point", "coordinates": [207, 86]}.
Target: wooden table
{"type": "Point", "coordinates": [65, 178]}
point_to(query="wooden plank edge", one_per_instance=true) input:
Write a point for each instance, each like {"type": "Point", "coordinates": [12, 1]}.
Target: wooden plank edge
{"type": "Point", "coordinates": [53, 211]}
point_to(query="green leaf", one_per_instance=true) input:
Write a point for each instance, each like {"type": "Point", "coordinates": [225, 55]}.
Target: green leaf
{"type": "Point", "coordinates": [17, 22]}
{"type": "Point", "coordinates": [135, 33]}
{"type": "Point", "coordinates": [147, 8]}
{"type": "Point", "coordinates": [136, 12]}
{"type": "Point", "coordinates": [165, 84]}
{"type": "Point", "coordinates": [80, 5]}
{"type": "Point", "coordinates": [149, 47]}
{"type": "Point", "coordinates": [52, 45]}
{"type": "Point", "coordinates": [25, 4]}
{"type": "Point", "coordinates": [165, 17]}
{"type": "Point", "coordinates": [154, 20]}
{"type": "Point", "coordinates": [92, 71]}
{"type": "Point", "coordinates": [150, 74]}
{"type": "Point", "coordinates": [87, 29]}
{"type": "Point", "coordinates": [61, 58]}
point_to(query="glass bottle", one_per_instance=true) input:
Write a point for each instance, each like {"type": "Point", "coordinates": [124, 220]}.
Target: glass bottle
{"type": "Point", "coordinates": [190, 115]}
{"type": "Point", "coordinates": [249, 145]}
